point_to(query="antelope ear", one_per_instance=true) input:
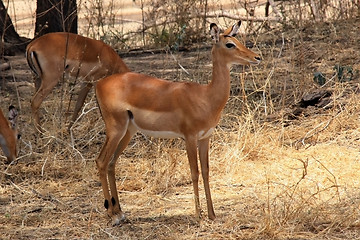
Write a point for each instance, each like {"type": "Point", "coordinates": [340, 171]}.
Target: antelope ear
{"type": "Point", "coordinates": [233, 30]}
{"type": "Point", "coordinates": [214, 32]}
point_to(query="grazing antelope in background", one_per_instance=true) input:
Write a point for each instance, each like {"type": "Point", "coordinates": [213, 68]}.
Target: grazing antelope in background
{"type": "Point", "coordinates": [131, 102]}
{"type": "Point", "coordinates": [54, 55]}
{"type": "Point", "coordinates": [8, 134]}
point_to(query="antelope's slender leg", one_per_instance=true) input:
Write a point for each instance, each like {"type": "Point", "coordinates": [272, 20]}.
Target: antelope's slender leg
{"type": "Point", "coordinates": [191, 150]}
{"type": "Point", "coordinates": [113, 139]}
{"type": "Point", "coordinates": [204, 162]}
{"type": "Point", "coordinates": [112, 180]}
{"type": "Point", "coordinates": [43, 91]}
{"type": "Point", "coordinates": [37, 81]}
{"type": "Point", "coordinates": [84, 90]}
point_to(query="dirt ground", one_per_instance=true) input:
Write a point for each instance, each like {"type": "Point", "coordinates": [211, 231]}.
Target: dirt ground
{"type": "Point", "coordinates": [276, 173]}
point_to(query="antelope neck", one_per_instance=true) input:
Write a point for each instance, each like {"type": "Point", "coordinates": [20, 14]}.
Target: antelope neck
{"type": "Point", "coordinates": [219, 87]}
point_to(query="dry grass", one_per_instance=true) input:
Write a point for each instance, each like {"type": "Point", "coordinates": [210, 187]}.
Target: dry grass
{"type": "Point", "coordinates": [271, 178]}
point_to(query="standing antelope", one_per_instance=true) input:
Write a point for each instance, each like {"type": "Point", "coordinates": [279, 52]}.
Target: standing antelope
{"type": "Point", "coordinates": [8, 134]}
{"type": "Point", "coordinates": [55, 54]}
{"type": "Point", "coordinates": [160, 108]}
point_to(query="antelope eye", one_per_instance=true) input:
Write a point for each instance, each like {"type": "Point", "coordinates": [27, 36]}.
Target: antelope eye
{"type": "Point", "coordinates": [230, 45]}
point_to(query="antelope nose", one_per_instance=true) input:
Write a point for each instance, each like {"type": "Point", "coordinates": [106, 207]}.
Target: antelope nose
{"type": "Point", "coordinates": [258, 58]}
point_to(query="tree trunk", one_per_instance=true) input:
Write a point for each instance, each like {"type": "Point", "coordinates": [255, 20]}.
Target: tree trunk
{"type": "Point", "coordinates": [11, 42]}
{"type": "Point", "coordinates": [55, 16]}
{"type": "Point", "coordinates": [7, 30]}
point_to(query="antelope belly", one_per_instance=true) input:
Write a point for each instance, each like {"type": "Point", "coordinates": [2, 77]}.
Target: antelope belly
{"type": "Point", "coordinates": [157, 133]}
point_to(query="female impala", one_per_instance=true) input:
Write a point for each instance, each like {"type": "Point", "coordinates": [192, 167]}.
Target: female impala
{"type": "Point", "coordinates": [55, 54]}
{"type": "Point", "coordinates": [8, 134]}
{"type": "Point", "coordinates": [160, 108]}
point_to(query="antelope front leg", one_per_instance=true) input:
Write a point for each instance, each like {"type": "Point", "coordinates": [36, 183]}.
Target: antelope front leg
{"type": "Point", "coordinates": [204, 162]}
{"type": "Point", "coordinates": [191, 150]}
